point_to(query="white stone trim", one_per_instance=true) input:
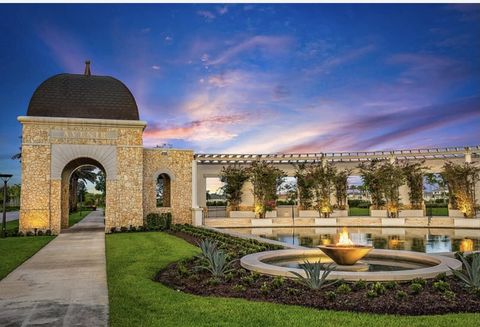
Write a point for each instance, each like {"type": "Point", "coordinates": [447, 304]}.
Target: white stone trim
{"type": "Point", "coordinates": [81, 121]}
{"type": "Point", "coordinates": [62, 154]}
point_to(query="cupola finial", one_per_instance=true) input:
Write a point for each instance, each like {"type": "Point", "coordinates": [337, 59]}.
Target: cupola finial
{"type": "Point", "coordinates": [87, 68]}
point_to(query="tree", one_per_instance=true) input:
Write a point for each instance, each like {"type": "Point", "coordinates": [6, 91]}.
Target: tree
{"type": "Point", "coordinates": [304, 186]}
{"type": "Point", "coordinates": [234, 177]}
{"type": "Point", "coordinates": [266, 180]}
{"type": "Point", "coordinates": [391, 178]}
{"type": "Point", "coordinates": [101, 186]}
{"type": "Point", "coordinates": [84, 174]}
{"type": "Point", "coordinates": [461, 180]}
{"type": "Point", "coordinates": [341, 186]}
{"type": "Point", "coordinates": [323, 175]}
{"type": "Point", "coordinates": [372, 182]}
{"type": "Point", "coordinates": [413, 173]}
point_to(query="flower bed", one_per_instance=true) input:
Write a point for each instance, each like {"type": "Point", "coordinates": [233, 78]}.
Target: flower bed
{"type": "Point", "coordinates": [438, 296]}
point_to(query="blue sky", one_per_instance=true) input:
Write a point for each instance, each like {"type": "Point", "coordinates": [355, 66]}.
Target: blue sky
{"type": "Point", "coordinates": [260, 78]}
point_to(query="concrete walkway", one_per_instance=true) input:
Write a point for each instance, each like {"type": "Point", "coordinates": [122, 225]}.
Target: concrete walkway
{"type": "Point", "coordinates": [64, 284]}
{"type": "Point", "coordinates": [12, 215]}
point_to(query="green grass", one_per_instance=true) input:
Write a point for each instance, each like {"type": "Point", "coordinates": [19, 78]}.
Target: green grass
{"type": "Point", "coordinates": [75, 217]}
{"type": "Point", "coordinates": [437, 211]}
{"type": "Point", "coordinates": [12, 226]}
{"type": "Point", "coordinates": [15, 250]}
{"type": "Point", "coordinates": [353, 211]}
{"type": "Point", "coordinates": [136, 300]}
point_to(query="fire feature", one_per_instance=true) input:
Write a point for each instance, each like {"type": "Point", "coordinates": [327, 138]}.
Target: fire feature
{"type": "Point", "coordinates": [345, 253]}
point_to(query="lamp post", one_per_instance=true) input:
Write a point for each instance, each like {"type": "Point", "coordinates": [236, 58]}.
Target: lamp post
{"type": "Point", "coordinates": [5, 178]}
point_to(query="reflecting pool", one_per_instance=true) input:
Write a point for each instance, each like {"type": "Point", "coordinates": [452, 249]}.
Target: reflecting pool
{"type": "Point", "coordinates": [428, 240]}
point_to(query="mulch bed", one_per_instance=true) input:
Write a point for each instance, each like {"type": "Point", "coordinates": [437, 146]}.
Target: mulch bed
{"type": "Point", "coordinates": [241, 283]}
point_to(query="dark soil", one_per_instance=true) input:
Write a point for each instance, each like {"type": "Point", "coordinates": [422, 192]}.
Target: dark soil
{"type": "Point", "coordinates": [240, 283]}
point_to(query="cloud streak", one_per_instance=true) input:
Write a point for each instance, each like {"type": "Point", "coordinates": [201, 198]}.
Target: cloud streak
{"type": "Point", "coordinates": [273, 44]}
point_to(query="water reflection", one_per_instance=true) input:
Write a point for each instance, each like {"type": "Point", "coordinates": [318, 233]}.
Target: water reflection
{"type": "Point", "coordinates": [429, 240]}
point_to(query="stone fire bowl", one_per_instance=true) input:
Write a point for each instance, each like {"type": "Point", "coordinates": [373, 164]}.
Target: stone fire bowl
{"type": "Point", "coordinates": [345, 255]}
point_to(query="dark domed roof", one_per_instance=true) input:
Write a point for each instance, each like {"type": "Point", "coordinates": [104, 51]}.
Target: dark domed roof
{"type": "Point", "coordinates": [83, 96]}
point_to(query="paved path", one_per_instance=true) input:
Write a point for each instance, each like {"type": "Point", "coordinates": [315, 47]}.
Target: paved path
{"type": "Point", "coordinates": [11, 215]}
{"type": "Point", "coordinates": [64, 284]}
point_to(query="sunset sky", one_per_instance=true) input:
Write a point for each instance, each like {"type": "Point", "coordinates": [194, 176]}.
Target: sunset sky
{"type": "Point", "coordinates": [259, 78]}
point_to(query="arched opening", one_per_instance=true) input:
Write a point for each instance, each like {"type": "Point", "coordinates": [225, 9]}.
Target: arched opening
{"type": "Point", "coordinates": [83, 190]}
{"type": "Point", "coordinates": [163, 190]}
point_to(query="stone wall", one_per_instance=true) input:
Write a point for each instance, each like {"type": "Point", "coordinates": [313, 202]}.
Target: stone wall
{"type": "Point", "coordinates": [177, 164]}
{"type": "Point", "coordinates": [49, 144]}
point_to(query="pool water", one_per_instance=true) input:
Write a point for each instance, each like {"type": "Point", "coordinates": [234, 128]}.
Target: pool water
{"type": "Point", "coordinates": [427, 240]}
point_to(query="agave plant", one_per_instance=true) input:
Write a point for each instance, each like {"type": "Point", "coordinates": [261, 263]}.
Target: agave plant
{"type": "Point", "coordinates": [316, 273]}
{"type": "Point", "coordinates": [471, 274]}
{"type": "Point", "coordinates": [214, 260]}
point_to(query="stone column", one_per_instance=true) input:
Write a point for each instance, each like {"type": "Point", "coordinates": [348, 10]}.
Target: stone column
{"type": "Point", "coordinates": [248, 199]}
{"type": "Point", "coordinates": [197, 215]}
{"type": "Point", "coordinates": [404, 198]}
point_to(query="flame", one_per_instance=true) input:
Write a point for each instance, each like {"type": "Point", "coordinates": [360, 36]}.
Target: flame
{"type": "Point", "coordinates": [466, 245]}
{"type": "Point", "coordinates": [344, 240]}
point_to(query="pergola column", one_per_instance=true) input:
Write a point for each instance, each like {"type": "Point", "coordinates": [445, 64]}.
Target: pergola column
{"type": "Point", "coordinates": [197, 212]}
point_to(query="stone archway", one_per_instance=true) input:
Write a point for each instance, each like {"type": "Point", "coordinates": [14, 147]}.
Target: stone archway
{"type": "Point", "coordinates": [67, 173]}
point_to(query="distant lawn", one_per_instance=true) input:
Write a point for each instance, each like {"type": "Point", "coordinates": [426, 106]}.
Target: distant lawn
{"type": "Point", "coordinates": [12, 226]}
{"type": "Point", "coordinates": [15, 250]}
{"type": "Point", "coordinates": [437, 211]}
{"type": "Point", "coordinates": [353, 211]}
{"type": "Point", "coordinates": [76, 216]}
{"type": "Point", "coordinates": [136, 300]}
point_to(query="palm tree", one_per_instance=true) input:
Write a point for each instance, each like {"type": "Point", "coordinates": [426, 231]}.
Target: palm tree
{"type": "Point", "coordinates": [83, 174]}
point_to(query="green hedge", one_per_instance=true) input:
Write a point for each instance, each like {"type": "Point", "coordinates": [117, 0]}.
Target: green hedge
{"type": "Point", "coordinates": [162, 221]}
{"type": "Point", "coordinates": [359, 204]}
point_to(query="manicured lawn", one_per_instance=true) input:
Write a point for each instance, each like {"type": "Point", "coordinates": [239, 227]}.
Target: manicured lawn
{"type": "Point", "coordinates": [358, 211]}
{"type": "Point", "coordinates": [75, 217]}
{"type": "Point", "coordinates": [12, 226]}
{"type": "Point", "coordinates": [15, 250]}
{"type": "Point", "coordinates": [437, 211]}
{"type": "Point", "coordinates": [136, 300]}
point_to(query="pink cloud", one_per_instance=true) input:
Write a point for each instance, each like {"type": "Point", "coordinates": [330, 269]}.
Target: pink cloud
{"type": "Point", "coordinates": [212, 128]}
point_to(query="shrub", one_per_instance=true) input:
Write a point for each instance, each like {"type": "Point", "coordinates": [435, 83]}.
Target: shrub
{"type": "Point", "coordinates": [214, 281]}
{"type": "Point", "coordinates": [239, 288]}
{"type": "Point", "coordinates": [155, 221]}
{"type": "Point", "coordinates": [360, 284]}
{"type": "Point", "coordinates": [264, 288]}
{"type": "Point", "coordinates": [471, 273]}
{"type": "Point", "coordinates": [20, 234]}
{"type": "Point", "coordinates": [343, 289]}
{"type": "Point", "coordinates": [214, 259]}
{"type": "Point", "coordinates": [133, 228]}
{"type": "Point", "coordinates": [113, 229]}
{"type": "Point", "coordinates": [371, 294]}
{"type": "Point", "coordinates": [449, 295]}
{"type": "Point", "coordinates": [331, 295]}
{"type": "Point", "coordinates": [292, 291]}
{"type": "Point", "coordinates": [48, 232]}
{"type": "Point", "coordinates": [30, 233]}
{"type": "Point", "coordinates": [40, 233]}
{"type": "Point", "coordinates": [123, 229]}
{"type": "Point", "coordinates": [278, 282]}
{"type": "Point", "coordinates": [378, 288]}
{"type": "Point", "coordinates": [182, 269]}
{"type": "Point", "coordinates": [316, 273]}
{"type": "Point", "coordinates": [441, 286]}
{"type": "Point", "coordinates": [420, 281]}
{"type": "Point", "coordinates": [415, 288]}
{"type": "Point", "coordinates": [390, 285]}
{"type": "Point", "coordinates": [400, 295]}
{"type": "Point", "coordinates": [441, 276]}
{"type": "Point", "coordinates": [248, 280]}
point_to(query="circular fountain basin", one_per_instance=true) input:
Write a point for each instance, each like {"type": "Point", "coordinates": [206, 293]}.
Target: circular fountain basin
{"type": "Point", "coordinates": [378, 265]}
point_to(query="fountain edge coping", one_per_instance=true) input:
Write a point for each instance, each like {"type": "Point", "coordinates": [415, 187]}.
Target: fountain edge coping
{"type": "Point", "coordinates": [443, 264]}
